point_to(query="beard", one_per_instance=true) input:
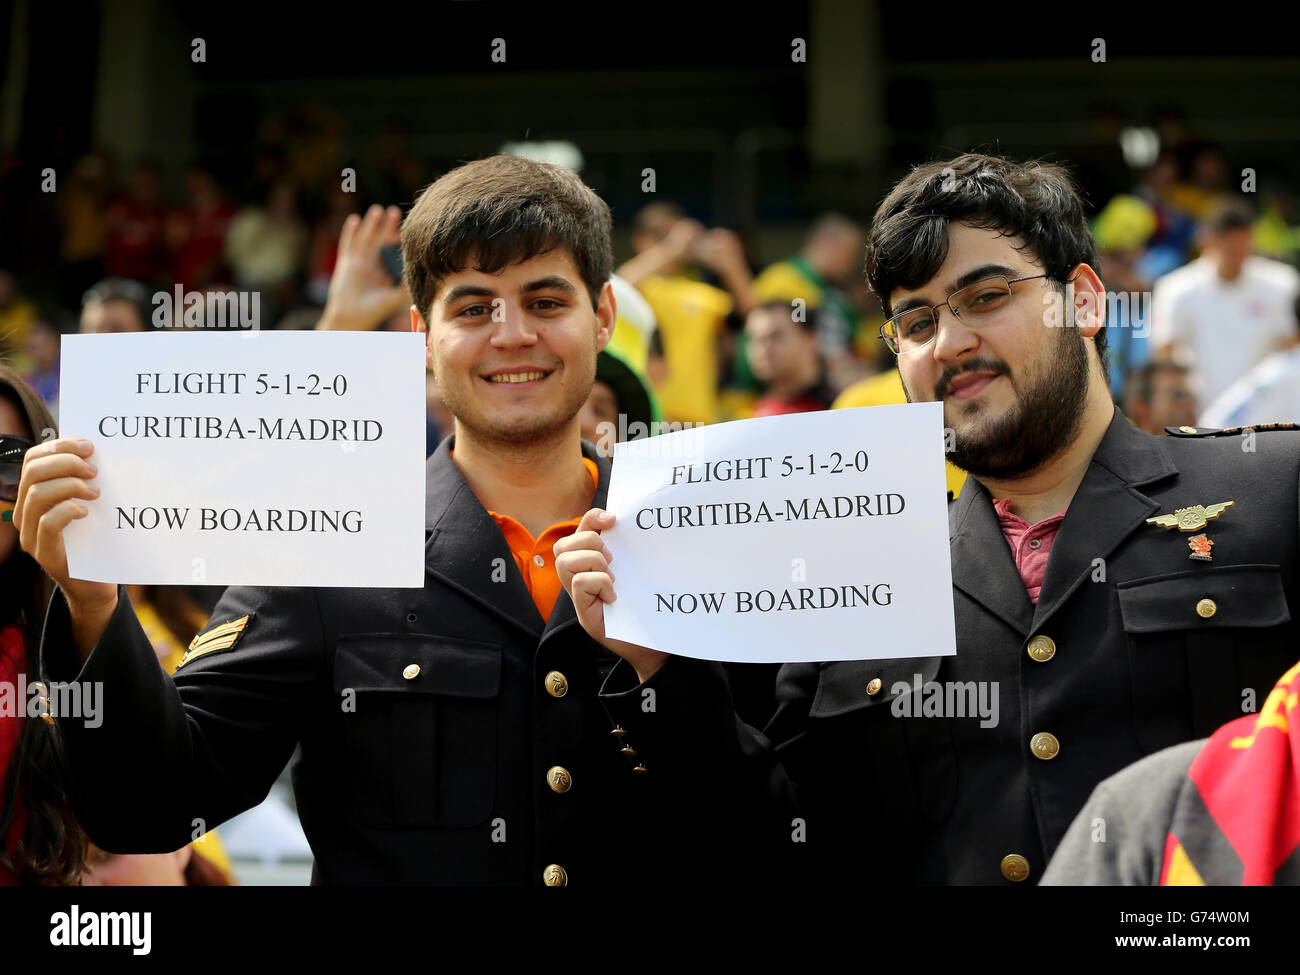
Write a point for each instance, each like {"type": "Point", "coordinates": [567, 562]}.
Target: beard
{"type": "Point", "coordinates": [1045, 419]}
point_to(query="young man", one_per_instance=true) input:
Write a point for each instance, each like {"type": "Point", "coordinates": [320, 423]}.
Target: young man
{"type": "Point", "coordinates": [1102, 625]}
{"type": "Point", "coordinates": [447, 735]}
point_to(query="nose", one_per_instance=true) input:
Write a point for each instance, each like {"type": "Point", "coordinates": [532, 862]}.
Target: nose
{"type": "Point", "coordinates": [513, 329]}
{"type": "Point", "coordinates": [955, 341]}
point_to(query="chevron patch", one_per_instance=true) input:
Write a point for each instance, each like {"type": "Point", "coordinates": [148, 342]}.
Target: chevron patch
{"type": "Point", "coordinates": [220, 637]}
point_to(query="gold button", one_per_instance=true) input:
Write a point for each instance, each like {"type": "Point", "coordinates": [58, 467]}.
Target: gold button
{"type": "Point", "coordinates": [1187, 429]}
{"type": "Point", "coordinates": [1015, 867]}
{"type": "Point", "coordinates": [1041, 648]}
{"type": "Point", "coordinates": [558, 779]}
{"type": "Point", "coordinates": [1044, 745]}
{"type": "Point", "coordinates": [1207, 608]}
{"type": "Point", "coordinates": [640, 769]}
{"type": "Point", "coordinates": [554, 876]}
{"type": "Point", "coordinates": [628, 750]}
{"type": "Point", "coordinates": [411, 671]}
{"type": "Point", "coordinates": [874, 686]}
{"type": "Point", "coordinates": [618, 731]}
{"type": "Point", "coordinates": [556, 685]}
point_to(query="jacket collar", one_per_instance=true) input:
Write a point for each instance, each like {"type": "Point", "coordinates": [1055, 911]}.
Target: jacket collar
{"type": "Point", "coordinates": [464, 544]}
{"type": "Point", "coordinates": [1105, 509]}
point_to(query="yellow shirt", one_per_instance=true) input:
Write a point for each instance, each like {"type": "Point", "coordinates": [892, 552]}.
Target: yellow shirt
{"type": "Point", "coordinates": [884, 390]}
{"type": "Point", "coordinates": [169, 653]}
{"type": "Point", "coordinates": [691, 316]}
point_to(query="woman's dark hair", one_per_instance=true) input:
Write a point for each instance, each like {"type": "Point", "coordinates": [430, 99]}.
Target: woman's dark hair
{"type": "Point", "coordinates": [52, 849]}
{"type": "Point", "coordinates": [1037, 202]}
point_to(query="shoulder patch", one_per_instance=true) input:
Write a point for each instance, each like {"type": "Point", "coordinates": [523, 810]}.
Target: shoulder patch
{"type": "Point", "coordinates": [1228, 431]}
{"type": "Point", "coordinates": [223, 636]}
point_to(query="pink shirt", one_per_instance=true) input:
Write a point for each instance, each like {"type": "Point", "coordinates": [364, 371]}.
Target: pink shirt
{"type": "Point", "coordinates": [1030, 544]}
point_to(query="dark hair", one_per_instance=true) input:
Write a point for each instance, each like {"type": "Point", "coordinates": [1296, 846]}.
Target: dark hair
{"type": "Point", "coordinates": [52, 849]}
{"type": "Point", "coordinates": [1140, 384]}
{"type": "Point", "coordinates": [785, 309]}
{"type": "Point", "coordinates": [121, 289]}
{"type": "Point", "coordinates": [1230, 215]}
{"type": "Point", "coordinates": [500, 211]}
{"type": "Point", "coordinates": [1035, 201]}
{"type": "Point", "coordinates": [644, 220]}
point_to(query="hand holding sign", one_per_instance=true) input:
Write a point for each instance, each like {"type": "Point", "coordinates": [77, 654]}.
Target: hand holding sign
{"type": "Point", "coordinates": [814, 536]}
{"type": "Point", "coordinates": [55, 475]}
{"type": "Point", "coordinates": [582, 562]}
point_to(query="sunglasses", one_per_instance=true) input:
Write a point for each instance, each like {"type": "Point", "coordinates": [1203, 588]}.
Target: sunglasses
{"type": "Point", "coordinates": [12, 451]}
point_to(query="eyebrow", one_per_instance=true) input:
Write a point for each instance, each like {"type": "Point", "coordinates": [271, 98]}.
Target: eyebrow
{"type": "Point", "coordinates": [553, 282]}
{"type": "Point", "coordinates": [970, 277]}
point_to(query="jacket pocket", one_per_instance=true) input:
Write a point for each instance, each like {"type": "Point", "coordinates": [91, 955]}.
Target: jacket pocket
{"type": "Point", "coordinates": [1196, 640]}
{"type": "Point", "coordinates": [421, 738]}
{"type": "Point", "coordinates": [890, 761]}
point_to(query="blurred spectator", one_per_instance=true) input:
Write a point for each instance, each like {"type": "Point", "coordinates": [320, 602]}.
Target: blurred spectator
{"type": "Point", "coordinates": [42, 374]}
{"type": "Point", "coordinates": [323, 248]}
{"type": "Point", "coordinates": [1175, 229]}
{"type": "Point", "coordinates": [83, 226]}
{"type": "Point", "coordinates": [691, 315]}
{"type": "Point", "coordinates": [783, 352]}
{"type": "Point", "coordinates": [1158, 395]}
{"type": "Point", "coordinates": [817, 276]}
{"type": "Point", "coordinates": [196, 233]}
{"type": "Point", "coordinates": [884, 390]}
{"type": "Point", "coordinates": [265, 248]}
{"type": "Point", "coordinates": [115, 305]}
{"type": "Point", "coordinates": [134, 248]}
{"type": "Point", "coordinates": [620, 406]}
{"type": "Point", "coordinates": [1228, 310]}
{"type": "Point", "coordinates": [1121, 230]}
{"type": "Point", "coordinates": [16, 315]}
{"type": "Point", "coordinates": [1269, 393]}
{"type": "Point", "coordinates": [1204, 187]}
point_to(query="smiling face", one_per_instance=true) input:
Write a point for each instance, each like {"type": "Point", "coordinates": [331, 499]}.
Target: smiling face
{"type": "Point", "coordinates": [514, 353]}
{"type": "Point", "coordinates": [1014, 390]}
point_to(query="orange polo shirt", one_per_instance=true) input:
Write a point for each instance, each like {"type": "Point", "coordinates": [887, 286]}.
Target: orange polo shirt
{"type": "Point", "coordinates": [535, 557]}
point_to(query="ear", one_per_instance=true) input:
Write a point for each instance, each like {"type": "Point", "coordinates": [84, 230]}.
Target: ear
{"type": "Point", "coordinates": [418, 324]}
{"type": "Point", "coordinates": [1089, 298]}
{"type": "Point", "coordinates": [606, 315]}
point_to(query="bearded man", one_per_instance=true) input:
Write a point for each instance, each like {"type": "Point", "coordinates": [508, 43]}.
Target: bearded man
{"type": "Point", "coordinates": [1116, 592]}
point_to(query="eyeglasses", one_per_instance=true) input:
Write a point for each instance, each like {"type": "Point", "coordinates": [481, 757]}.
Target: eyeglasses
{"type": "Point", "coordinates": [12, 451]}
{"type": "Point", "coordinates": [976, 305]}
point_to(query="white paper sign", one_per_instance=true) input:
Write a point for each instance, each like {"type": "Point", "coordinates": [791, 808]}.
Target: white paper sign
{"type": "Point", "coordinates": [249, 458]}
{"type": "Point", "coordinates": [814, 536]}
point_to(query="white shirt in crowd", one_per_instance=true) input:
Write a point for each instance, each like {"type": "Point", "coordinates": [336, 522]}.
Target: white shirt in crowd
{"type": "Point", "coordinates": [1269, 393]}
{"type": "Point", "coordinates": [1228, 327]}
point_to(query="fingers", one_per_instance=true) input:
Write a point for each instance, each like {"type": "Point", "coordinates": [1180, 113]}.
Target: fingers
{"type": "Point", "coordinates": [583, 541]}
{"type": "Point", "coordinates": [595, 520]}
{"type": "Point", "coordinates": [590, 587]}
{"type": "Point", "coordinates": [44, 496]}
{"type": "Point", "coordinates": [348, 233]}
{"type": "Point", "coordinates": [391, 229]}
{"type": "Point", "coordinates": [571, 564]}
{"type": "Point", "coordinates": [64, 457]}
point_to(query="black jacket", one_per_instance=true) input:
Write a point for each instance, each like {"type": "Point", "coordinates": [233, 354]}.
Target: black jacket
{"type": "Point", "coordinates": [1134, 667]}
{"type": "Point", "coordinates": [442, 777]}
